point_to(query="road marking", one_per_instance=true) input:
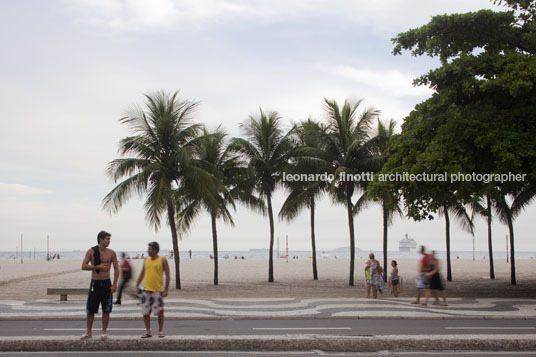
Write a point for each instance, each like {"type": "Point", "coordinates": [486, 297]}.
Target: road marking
{"type": "Point", "coordinates": [301, 328]}
{"type": "Point", "coordinates": [490, 328]}
{"type": "Point", "coordinates": [96, 327]}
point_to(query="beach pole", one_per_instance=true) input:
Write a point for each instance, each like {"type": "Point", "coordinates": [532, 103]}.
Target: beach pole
{"type": "Point", "coordinates": [287, 248]}
{"type": "Point", "coordinates": [507, 248]}
{"type": "Point", "coordinates": [277, 247]}
{"type": "Point", "coordinates": [473, 247]}
{"type": "Point", "coordinates": [21, 250]}
{"type": "Point", "coordinates": [48, 251]}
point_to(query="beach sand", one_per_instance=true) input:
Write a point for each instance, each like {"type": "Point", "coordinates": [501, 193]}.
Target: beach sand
{"type": "Point", "coordinates": [249, 279]}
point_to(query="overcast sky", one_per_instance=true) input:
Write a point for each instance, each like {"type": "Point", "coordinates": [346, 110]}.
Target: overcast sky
{"type": "Point", "coordinates": [70, 69]}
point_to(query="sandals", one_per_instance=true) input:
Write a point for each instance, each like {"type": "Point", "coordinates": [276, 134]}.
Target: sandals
{"type": "Point", "coordinates": [103, 337]}
{"type": "Point", "coordinates": [85, 336]}
{"type": "Point", "coordinates": [161, 335]}
{"type": "Point", "coordinates": [146, 335]}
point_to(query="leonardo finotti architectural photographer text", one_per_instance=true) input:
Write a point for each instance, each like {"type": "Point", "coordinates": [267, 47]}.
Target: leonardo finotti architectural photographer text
{"type": "Point", "coordinates": [405, 176]}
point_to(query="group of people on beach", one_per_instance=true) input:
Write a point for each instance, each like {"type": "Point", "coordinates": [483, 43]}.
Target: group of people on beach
{"type": "Point", "coordinates": [99, 260]}
{"type": "Point", "coordinates": [375, 277]}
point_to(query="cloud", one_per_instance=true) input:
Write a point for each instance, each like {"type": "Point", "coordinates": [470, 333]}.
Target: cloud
{"type": "Point", "coordinates": [382, 17]}
{"type": "Point", "coordinates": [392, 82]}
{"type": "Point", "coordinates": [135, 15]}
{"type": "Point", "coordinates": [15, 189]}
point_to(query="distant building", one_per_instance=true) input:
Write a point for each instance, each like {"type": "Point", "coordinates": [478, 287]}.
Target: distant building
{"type": "Point", "coordinates": [407, 245]}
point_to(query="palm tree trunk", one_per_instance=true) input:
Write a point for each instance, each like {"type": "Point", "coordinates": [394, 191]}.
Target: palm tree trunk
{"type": "Point", "coordinates": [447, 232]}
{"type": "Point", "coordinates": [174, 238]}
{"type": "Point", "coordinates": [215, 246]}
{"type": "Point", "coordinates": [385, 228]}
{"type": "Point", "coordinates": [490, 244]}
{"type": "Point", "coordinates": [271, 257]}
{"type": "Point", "coordinates": [313, 243]}
{"type": "Point", "coordinates": [349, 208]}
{"type": "Point", "coordinates": [512, 255]}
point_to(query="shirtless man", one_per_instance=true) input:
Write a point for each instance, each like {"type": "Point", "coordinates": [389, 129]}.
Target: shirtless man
{"type": "Point", "coordinates": [100, 289]}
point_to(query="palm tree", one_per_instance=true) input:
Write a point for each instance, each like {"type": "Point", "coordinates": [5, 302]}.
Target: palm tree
{"type": "Point", "coordinates": [345, 144]}
{"type": "Point", "coordinates": [267, 148]}
{"type": "Point", "coordinates": [460, 213]}
{"type": "Point", "coordinates": [390, 203]}
{"type": "Point", "coordinates": [161, 148]}
{"type": "Point", "coordinates": [231, 179]}
{"type": "Point", "coordinates": [508, 213]}
{"type": "Point", "coordinates": [485, 211]}
{"type": "Point", "coordinates": [307, 159]}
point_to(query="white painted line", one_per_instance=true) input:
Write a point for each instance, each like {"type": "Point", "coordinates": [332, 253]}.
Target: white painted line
{"type": "Point", "coordinates": [96, 328]}
{"type": "Point", "coordinates": [490, 328]}
{"type": "Point", "coordinates": [301, 328]}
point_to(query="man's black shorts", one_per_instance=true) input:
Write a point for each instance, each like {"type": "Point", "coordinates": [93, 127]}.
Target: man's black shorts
{"type": "Point", "coordinates": [99, 294]}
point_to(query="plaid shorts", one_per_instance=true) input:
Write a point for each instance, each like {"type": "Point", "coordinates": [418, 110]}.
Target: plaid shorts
{"type": "Point", "coordinates": [422, 281]}
{"type": "Point", "coordinates": [152, 301]}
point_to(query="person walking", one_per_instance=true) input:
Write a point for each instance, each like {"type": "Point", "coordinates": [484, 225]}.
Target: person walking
{"type": "Point", "coordinates": [374, 281]}
{"type": "Point", "coordinates": [154, 291]}
{"type": "Point", "coordinates": [99, 260]}
{"type": "Point", "coordinates": [423, 268]}
{"type": "Point", "coordinates": [126, 274]}
{"type": "Point", "coordinates": [436, 284]}
{"type": "Point", "coordinates": [395, 279]}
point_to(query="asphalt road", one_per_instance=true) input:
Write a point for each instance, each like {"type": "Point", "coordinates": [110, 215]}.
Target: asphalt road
{"type": "Point", "coordinates": [354, 327]}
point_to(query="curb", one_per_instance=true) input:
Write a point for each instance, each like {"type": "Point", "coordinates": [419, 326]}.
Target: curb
{"type": "Point", "coordinates": [276, 343]}
{"type": "Point", "coordinates": [304, 317]}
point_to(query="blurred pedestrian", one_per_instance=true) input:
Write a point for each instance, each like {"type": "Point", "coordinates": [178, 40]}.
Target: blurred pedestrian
{"type": "Point", "coordinates": [126, 274]}
{"type": "Point", "coordinates": [436, 284]}
{"type": "Point", "coordinates": [423, 268]}
{"type": "Point", "coordinates": [395, 279]}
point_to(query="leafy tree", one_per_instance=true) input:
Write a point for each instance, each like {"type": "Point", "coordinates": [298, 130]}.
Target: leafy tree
{"type": "Point", "coordinates": [161, 160]}
{"type": "Point", "coordinates": [268, 149]}
{"type": "Point", "coordinates": [481, 118]}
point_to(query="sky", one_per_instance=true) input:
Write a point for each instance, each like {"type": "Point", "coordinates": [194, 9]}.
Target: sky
{"type": "Point", "coordinates": [70, 69]}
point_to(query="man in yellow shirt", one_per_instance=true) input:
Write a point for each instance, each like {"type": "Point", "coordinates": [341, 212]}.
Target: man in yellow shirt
{"type": "Point", "coordinates": [154, 292]}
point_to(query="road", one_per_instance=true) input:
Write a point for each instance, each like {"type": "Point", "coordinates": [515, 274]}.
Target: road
{"type": "Point", "coordinates": [267, 354]}
{"type": "Point", "coordinates": [239, 327]}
